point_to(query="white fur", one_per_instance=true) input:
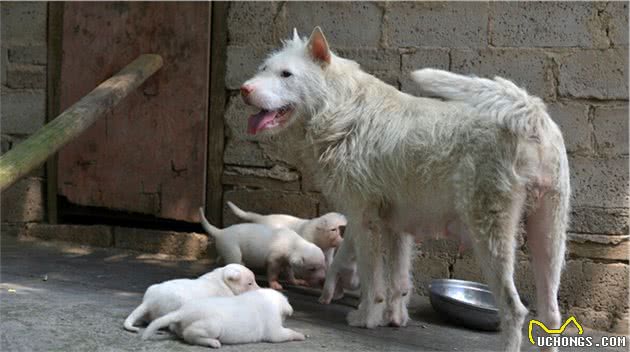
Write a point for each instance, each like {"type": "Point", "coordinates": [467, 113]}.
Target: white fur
{"type": "Point", "coordinates": [255, 316]}
{"type": "Point", "coordinates": [400, 166]}
{"type": "Point", "coordinates": [323, 231]}
{"type": "Point", "coordinates": [259, 246]}
{"type": "Point", "coordinates": [161, 299]}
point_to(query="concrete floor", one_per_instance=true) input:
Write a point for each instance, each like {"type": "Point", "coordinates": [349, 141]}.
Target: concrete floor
{"type": "Point", "coordinates": [64, 298]}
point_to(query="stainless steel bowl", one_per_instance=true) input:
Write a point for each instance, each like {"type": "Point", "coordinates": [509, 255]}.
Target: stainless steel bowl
{"type": "Point", "coordinates": [467, 303]}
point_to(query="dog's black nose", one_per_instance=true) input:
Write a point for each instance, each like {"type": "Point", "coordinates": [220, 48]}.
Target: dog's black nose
{"type": "Point", "coordinates": [246, 90]}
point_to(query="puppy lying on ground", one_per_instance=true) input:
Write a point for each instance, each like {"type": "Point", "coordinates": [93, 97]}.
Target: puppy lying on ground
{"type": "Point", "coordinates": [161, 299]}
{"type": "Point", "coordinates": [324, 231]}
{"type": "Point", "coordinates": [255, 316]}
{"type": "Point", "coordinates": [260, 246]}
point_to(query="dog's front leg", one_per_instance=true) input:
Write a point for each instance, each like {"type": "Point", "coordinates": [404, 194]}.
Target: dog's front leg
{"type": "Point", "coordinates": [368, 247]}
{"type": "Point", "coordinates": [398, 263]}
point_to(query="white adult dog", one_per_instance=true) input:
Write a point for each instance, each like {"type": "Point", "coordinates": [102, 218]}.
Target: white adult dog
{"type": "Point", "coordinates": [399, 166]}
{"type": "Point", "coordinates": [165, 297]}
{"type": "Point", "coordinates": [251, 317]}
{"type": "Point", "coordinates": [324, 231]}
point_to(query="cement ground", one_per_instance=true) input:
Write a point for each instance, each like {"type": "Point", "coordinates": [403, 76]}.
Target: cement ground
{"type": "Point", "coordinates": [57, 297]}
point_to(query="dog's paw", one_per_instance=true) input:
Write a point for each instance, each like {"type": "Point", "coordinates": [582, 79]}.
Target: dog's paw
{"type": "Point", "coordinates": [300, 282]}
{"type": "Point", "coordinates": [275, 285]}
{"type": "Point", "coordinates": [324, 298]}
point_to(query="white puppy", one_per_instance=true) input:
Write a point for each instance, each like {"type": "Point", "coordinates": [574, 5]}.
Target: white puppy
{"type": "Point", "coordinates": [324, 231]}
{"type": "Point", "coordinates": [260, 246]}
{"type": "Point", "coordinates": [163, 298]}
{"type": "Point", "coordinates": [255, 316]}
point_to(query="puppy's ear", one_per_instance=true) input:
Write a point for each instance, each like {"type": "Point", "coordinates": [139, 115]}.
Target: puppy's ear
{"type": "Point", "coordinates": [232, 274]}
{"type": "Point", "coordinates": [296, 36]}
{"type": "Point", "coordinates": [318, 46]}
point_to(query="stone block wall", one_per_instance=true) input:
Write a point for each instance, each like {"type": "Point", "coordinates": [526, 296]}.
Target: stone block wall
{"type": "Point", "coordinates": [574, 55]}
{"type": "Point", "coordinates": [22, 101]}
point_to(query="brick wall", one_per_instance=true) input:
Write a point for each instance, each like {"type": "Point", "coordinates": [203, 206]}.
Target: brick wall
{"type": "Point", "coordinates": [23, 101]}
{"type": "Point", "coordinates": [574, 55]}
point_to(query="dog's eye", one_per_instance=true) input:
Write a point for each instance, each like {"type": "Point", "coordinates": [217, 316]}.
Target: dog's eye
{"type": "Point", "coordinates": [312, 269]}
{"type": "Point", "coordinates": [286, 74]}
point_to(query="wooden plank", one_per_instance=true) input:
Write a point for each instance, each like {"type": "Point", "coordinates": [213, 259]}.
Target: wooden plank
{"type": "Point", "coordinates": [149, 155]}
{"type": "Point", "coordinates": [53, 84]}
{"type": "Point", "coordinates": [216, 138]}
{"type": "Point", "coordinates": [32, 152]}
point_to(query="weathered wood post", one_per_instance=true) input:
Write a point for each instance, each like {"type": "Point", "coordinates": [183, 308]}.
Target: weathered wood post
{"type": "Point", "coordinates": [27, 155]}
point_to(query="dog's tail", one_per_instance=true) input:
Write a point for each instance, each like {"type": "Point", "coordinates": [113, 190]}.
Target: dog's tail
{"type": "Point", "coordinates": [244, 215]}
{"type": "Point", "coordinates": [512, 106]}
{"type": "Point", "coordinates": [137, 313]}
{"type": "Point", "coordinates": [160, 323]}
{"type": "Point", "coordinates": [210, 229]}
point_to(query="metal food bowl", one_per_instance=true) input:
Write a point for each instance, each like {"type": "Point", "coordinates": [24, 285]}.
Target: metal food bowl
{"type": "Point", "coordinates": [467, 303]}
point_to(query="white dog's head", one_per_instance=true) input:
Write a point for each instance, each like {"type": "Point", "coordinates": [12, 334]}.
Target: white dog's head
{"type": "Point", "coordinates": [308, 263]}
{"type": "Point", "coordinates": [329, 230]}
{"type": "Point", "coordinates": [239, 279]}
{"type": "Point", "coordinates": [290, 83]}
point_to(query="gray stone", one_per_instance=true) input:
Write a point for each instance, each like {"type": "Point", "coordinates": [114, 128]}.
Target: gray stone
{"type": "Point", "coordinates": [426, 269]}
{"type": "Point", "coordinates": [180, 244]}
{"type": "Point", "coordinates": [595, 250]}
{"type": "Point", "coordinates": [24, 23]}
{"type": "Point", "coordinates": [600, 74]}
{"type": "Point", "coordinates": [573, 121]}
{"type": "Point", "coordinates": [597, 286]}
{"type": "Point", "coordinates": [591, 317]}
{"type": "Point", "coordinates": [612, 221]}
{"type": "Point", "coordinates": [253, 22]}
{"type": "Point", "coordinates": [618, 25]}
{"type": "Point", "coordinates": [269, 202]}
{"type": "Point", "coordinates": [373, 59]}
{"type": "Point", "coordinates": [528, 68]}
{"type": "Point", "coordinates": [4, 62]}
{"type": "Point", "coordinates": [278, 177]}
{"type": "Point", "coordinates": [22, 111]}
{"type": "Point", "coordinates": [421, 58]}
{"type": "Point", "coordinates": [28, 54]}
{"type": "Point", "coordinates": [26, 76]}
{"type": "Point", "coordinates": [242, 63]}
{"type": "Point", "coordinates": [244, 153]}
{"type": "Point", "coordinates": [23, 201]}
{"type": "Point", "coordinates": [599, 182]}
{"type": "Point", "coordinates": [611, 129]}
{"type": "Point", "coordinates": [345, 24]}
{"type": "Point", "coordinates": [547, 24]}
{"type": "Point", "coordinates": [437, 24]}
{"type": "Point", "coordinates": [99, 235]}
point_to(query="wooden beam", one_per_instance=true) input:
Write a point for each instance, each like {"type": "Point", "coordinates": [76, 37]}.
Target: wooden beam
{"type": "Point", "coordinates": [32, 152]}
{"type": "Point", "coordinates": [216, 138]}
{"type": "Point", "coordinates": [53, 86]}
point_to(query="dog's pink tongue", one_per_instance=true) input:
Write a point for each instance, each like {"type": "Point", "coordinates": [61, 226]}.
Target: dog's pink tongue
{"type": "Point", "coordinates": [258, 121]}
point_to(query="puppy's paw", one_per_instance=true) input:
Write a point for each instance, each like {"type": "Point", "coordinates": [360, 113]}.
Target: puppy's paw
{"type": "Point", "coordinates": [298, 336]}
{"type": "Point", "coordinates": [325, 298]}
{"type": "Point", "coordinates": [300, 282]}
{"type": "Point", "coordinates": [275, 285]}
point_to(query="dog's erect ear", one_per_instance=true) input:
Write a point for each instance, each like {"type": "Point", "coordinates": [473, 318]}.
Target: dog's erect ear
{"type": "Point", "coordinates": [296, 36]}
{"type": "Point", "coordinates": [318, 46]}
{"type": "Point", "coordinates": [232, 274]}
